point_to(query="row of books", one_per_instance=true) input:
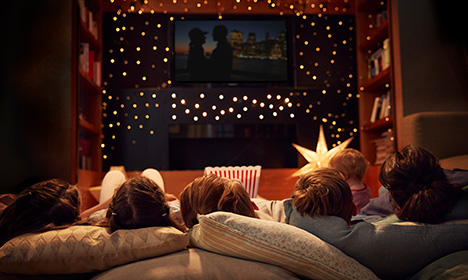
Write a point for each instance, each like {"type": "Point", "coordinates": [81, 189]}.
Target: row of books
{"type": "Point", "coordinates": [84, 150]}
{"type": "Point", "coordinates": [384, 146]}
{"type": "Point", "coordinates": [87, 18]}
{"type": "Point", "coordinates": [382, 107]}
{"type": "Point", "coordinates": [89, 65]}
{"type": "Point", "coordinates": [379, 60]}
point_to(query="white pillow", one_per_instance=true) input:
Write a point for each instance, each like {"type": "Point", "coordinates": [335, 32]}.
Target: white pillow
{"type": "Point", "coordinates": [82, 249]}
{"type": "Point", "coordinates": [275, 243]}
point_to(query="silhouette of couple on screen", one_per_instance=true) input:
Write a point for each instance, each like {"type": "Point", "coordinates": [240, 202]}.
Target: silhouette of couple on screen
{"type": "Point", "coordinates": [216, 68]}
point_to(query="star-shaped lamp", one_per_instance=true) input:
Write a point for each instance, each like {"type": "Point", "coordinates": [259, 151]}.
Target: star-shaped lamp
{"type": "Point", "coordinates": [321, 156]}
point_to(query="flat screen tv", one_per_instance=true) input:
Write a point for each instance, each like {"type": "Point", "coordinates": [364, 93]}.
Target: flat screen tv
{"type": "Point", "coordinates": [231, 51]}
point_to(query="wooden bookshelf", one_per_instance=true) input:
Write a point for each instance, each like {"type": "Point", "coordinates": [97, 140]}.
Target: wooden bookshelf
{"type": "Point", "coordinates": [89, 95]}
{"type": "Point", "coordinates": [373, 31]}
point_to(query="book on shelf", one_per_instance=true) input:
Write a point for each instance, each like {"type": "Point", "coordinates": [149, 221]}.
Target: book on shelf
{"type": "Point", "coordinates": [379, 60]}
{"type": "Point", "coordinates": [382, 107]}
{"type": "Point", "coordinates": [84, 150]}
{"type": "Point", "coordinates": [87, 17]}
{"type": "Point", "coordinates": [376, 109]}
{"type": "Point", "coordinates": [380, 18]}
{"type": "Point", "coordinates": [98, 73]}
{"type": "Point", "coordinates": [375, 61]}
{"type": "Point", "coordinates": [91, 64]}
{"type": "Point", "coordinates": [387, 109]}
{"type": "Point", "coordinates": [84, 57]}
{"type": "Point", "coordinates": [83, 10]}
{"type": "Point", "coordinates": [386, 53]}
{"type": "Point", "coordinates": [85, 162]}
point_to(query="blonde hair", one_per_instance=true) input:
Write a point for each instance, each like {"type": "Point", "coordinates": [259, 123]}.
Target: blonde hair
{"type": "Point", "coordinates": [210, 193]}
{"type": "Point", "coordinates": [323, 192]}
{"type": "Point", "coordinates": [350, 162]}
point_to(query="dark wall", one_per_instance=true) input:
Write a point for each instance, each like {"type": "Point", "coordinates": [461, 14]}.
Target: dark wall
{"type": "Point", "coordinates": [434, 56]}
{"type": "Point", "coordinates": [35, 92]}
{"type": "Point", "coordinates": [142, 107]}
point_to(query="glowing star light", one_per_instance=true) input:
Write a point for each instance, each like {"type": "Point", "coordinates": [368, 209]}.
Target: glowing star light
{"type": "Point", "coordinates": [321, 156]}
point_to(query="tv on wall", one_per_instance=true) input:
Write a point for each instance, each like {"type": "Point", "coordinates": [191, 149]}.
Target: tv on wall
{"type": "Point", "coordinates": [231, 51]}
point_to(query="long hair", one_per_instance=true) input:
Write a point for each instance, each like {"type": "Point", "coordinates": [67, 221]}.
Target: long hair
{"type": "Point", "coordinates": [418, 185]}
{"type": "Point", "coordinates": [44, 206]}
{"type": "Point", "coordinates": [323, 192]}
{"type": "Point", "coordinates": [210, 193]}
{"type": "Point", "coordinates": [138, 203]}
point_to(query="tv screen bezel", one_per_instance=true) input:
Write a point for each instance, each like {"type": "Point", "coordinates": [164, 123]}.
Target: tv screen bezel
{"type": "Point", "coordinates": [285, 83]}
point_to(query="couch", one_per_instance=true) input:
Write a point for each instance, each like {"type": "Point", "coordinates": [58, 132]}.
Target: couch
{"type": "Point", "coordinates": [443, 133]}
{"type": "Point", "coordinates": [222, 246]}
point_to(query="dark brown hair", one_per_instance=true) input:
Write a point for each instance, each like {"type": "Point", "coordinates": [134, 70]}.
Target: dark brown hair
{"type": "Point", "coordinates": [138, 203]}
{"type": "Point", "coordinates": [323, 192]}
{"type": "Point", "coordinates": [210, 193]}
{"type": "Point", "coordinates": [418, 185]}
{"type": "Point", "coordinates": [44, 206]}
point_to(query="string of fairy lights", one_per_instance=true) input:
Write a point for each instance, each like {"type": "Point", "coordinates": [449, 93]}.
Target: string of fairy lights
{"type": "Point", "coordinates": [137, 86]}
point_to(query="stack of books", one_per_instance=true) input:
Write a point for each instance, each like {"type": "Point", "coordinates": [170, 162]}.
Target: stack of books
{"type": "Point", "coordinates": [384, 146]}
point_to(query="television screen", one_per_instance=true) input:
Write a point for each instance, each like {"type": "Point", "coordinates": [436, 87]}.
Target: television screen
{"type": "Point", "coordinates": [231, 51]}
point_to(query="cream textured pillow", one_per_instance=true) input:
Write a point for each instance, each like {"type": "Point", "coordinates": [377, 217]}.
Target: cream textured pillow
{"type": "Point", "coordinates": [275, 243]}
{"type": "Point", "coordinates": [81, 249]}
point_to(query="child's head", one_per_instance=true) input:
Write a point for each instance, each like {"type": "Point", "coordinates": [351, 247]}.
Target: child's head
{"type": "Point", "coordinates": [210, 193]}
{"type": "Point", "coordinates": [43, 206]}
{"type": "Point", "coordinates": [351, 163]}
{"type": "Point", "coordinates": [323, 192]}
{"type": "Point", "coordinates": [418, 186]}
{"type": "Point", "coordinates": [138, 203]}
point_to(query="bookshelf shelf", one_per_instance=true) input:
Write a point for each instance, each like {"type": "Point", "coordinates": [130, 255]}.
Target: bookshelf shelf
{"type": "Point", "coordinates": [379, 125]}
{"type": "Point", "coordinates": [375, 37]}
{"type": "Point", "coordinates": [378, 82]}
{"type": "Point", "coordinates": [89, 127]}
{"type": "Point", "coordinates": [90, 85]}
{"type": "Point", "coordinates": [87, 36]}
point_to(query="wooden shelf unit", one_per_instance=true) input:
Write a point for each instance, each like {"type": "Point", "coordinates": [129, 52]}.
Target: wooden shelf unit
{"type": "Point", "coordinates": [89, 97]}
{"type": "Point", "coordinates": [371, 30]}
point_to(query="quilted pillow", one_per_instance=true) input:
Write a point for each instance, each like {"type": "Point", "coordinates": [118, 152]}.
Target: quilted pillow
{"type": "Point", "coordinates": [82, 249]}
{"type": "Point", "coordinates": [274, 243]}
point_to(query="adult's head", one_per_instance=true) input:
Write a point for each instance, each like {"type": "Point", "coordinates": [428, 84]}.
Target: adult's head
{"type": "Point", "coordinates": [138, 203]}
{"type": "Point", "coordinates": [210, 193]}
{"type": "Point", "coordinates": [351, 163]}
{"type": "Point", "coordinates": [197, 36]}
{"type": "Point", "coordinates": [219, 32]}
{"type": "Point", "coordinates": [323, 192]}
{"type": "Point", "coordinates": [418, 185]}
{"type": "Point", "coordinates": [47, 205]}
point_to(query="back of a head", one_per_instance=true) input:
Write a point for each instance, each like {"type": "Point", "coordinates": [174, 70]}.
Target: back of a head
{"type": "Point", "coordinates": [418, 185]}
{"type": "Point", "coordinates": [43, 206]}
{"type": "Point", "coordinates": [350, 162]}
{"type": "Point", "coordinates": [210, 193]}
{"type": "Point", "coordinates": [138, 203]}
{"type": "Point", "coordinates": [219, 32]}
{"type": "Point", "coordinates": [323, 192]}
